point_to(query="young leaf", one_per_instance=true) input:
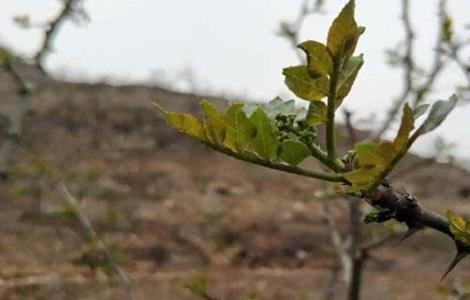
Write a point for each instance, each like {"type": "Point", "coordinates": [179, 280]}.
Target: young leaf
{"type": "Point", "coordinates": [348, 76]}
{"type": "Point", "coordinates": [374, 159]}
{"type": "Point", "coordinates": [407, 125]}
{"type": "Point", "coordinates": [319, 61]}
{"type": "Point", "coordinates": [300, 83]}
{"type": "Point", "coordinates": [293, 152]}
{"type": "Point", "coordinates": [265, 143]}
{"type": "Point", "coordinates": [240, 131]}
{"type": "Point", "coordinates": [214, 123]}
{"type": "Point", "coordinates": [459, 228]}
{"type": "Point", "coordinates": [184, 123]}
{"type": "Point", "coordinates": [439, 112]}
{"type": "Point", "coordinates": [344, 33]}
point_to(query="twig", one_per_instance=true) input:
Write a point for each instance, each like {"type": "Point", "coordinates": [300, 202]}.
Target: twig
{"type": "Point", "coordinates": [409, 67]}
{"type": "Point", "coordinates": [51, 32]}
{"type": "Point", "coordinates": [332, 177]}
{"type": "Point", "coordinates": [88, 234]}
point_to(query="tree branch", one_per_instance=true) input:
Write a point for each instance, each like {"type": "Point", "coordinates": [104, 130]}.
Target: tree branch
{"type": "Point", "coordinates": [332, 177]}
{"type": "Point", "coordinates": [51, 32]}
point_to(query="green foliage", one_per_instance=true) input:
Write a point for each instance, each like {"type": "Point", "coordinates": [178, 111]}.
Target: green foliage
{"type": "Point", "coordinates": [459, 227]}
{"type": "Point", "coordinates": [278, 134]}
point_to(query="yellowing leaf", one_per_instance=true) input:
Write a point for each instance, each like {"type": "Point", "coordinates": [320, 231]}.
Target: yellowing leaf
{"type": "Point", "coordinates": [319, 61]}
{"type": "Point", "coordinates": [459, 227]}
{"type": "Point", "coordinates": [265, 143]}
{"type": "Point", "coordinates": [407, 125]}
{"type": "Point", "coordinates": [240, 131]}
{"type": "Point", "coordinates": [301, 84]}
{"type": "Point", "coordinates": [344, 33]}
{"type": "Point", "coordinates": [375, 159]}
{"type": "Point", "coordinates": [293, 152]}
{"type": "Point", "coordinates": [362, 178]}
{"type": "Point", "coordinates": [184, 123]}
{"type": "Point", "coordinates": [214, 123]}
{"type": "Point", "coordinates": [348, 76]}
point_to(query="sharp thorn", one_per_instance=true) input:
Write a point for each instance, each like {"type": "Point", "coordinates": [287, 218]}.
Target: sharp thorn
{"type": "Point", "coordinates": [457, 258]}
{"type": "Point", "coordinates": [408, 233]}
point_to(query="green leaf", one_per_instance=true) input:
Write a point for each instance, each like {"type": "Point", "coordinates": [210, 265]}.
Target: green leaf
{"type": "Point", "coordinates": [265, 143]}
{"type": "Point", "coordinates": [301, 84]}
{"type": "Point", "coordinates": [184, 123]}
{"type": "Point", "coordinates": [293, 152]}
{"type": "Point", "coordinates": [240, 131]}
{"type": "Point", "coordinates": [459, 227]}
{"type": "Point", "coordinates": [439, 112]}
{"type": "Point", "coordinates": [319, 61]}
{"type": "Point", "coordinates": [317, 113]}
{"type": "Point", "coordinates": [214, 123]}
{"type": "Point", "coordinates": [344, 33]}
{"type": "Point", "coordinates": [348, 76]}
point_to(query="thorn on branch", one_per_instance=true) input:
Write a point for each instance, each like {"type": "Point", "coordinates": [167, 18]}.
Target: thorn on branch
{"type": "Point", "coordinates": [462, 252]}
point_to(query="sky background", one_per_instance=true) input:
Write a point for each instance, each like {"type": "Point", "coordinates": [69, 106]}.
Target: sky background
{"type": "Point", "coordinates": [231, 48]}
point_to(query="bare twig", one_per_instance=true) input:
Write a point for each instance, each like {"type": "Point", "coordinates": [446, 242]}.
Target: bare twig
{"type": "Point", "coordinates": [408, 66]}
{"type": "Point", "coordinates": [89, 235]}
{"type": "Point", "coordinates": [418, 92]}
{"type": "Point", "coordinates": [52, 30]}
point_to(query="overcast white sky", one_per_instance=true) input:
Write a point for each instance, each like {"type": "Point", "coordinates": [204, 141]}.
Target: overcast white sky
{"type": "Point", "coordinates": [231, 46]}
